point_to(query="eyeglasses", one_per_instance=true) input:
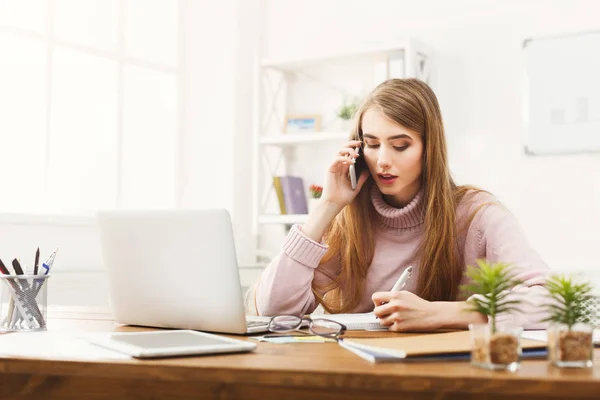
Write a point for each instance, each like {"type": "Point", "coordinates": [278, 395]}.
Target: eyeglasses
{"type": "Point", "coordinates": [320, 326]}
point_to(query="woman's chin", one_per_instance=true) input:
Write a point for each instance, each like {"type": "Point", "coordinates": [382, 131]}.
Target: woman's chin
{"type": "Point", "coordinates": [388, 190]}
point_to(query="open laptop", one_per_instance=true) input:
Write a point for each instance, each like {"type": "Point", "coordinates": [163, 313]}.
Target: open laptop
{"type": "Point", "coordinates": [175, 269]}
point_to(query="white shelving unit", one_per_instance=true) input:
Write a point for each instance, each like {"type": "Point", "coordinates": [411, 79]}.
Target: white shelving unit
{"type": "Point", "coordinates": [300, 138]}
{"type": "Point", "coordinates": [282, 219]}
{"type": "Point", "coordinates": [289, 86]}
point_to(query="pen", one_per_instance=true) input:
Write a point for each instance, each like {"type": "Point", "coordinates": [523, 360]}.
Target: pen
{"type": "Point", "coordinates": [47, 265]}
{"type": "Point", "coordinates": [19, 271]}
{"type": "Point", "coordinates": [37, 261]}
{"type": "Point", "coordinates": [403, 280]}
{"type": "Point", "coordinates": [3, 268]}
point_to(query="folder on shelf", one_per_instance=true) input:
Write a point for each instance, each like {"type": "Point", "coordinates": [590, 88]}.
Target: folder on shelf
{"type": "Point", "coordinates": [433, 346]}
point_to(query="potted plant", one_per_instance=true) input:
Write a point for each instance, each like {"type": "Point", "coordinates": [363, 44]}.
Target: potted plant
{"type": "Point", "coordinates": [315, 194]}
{"type": "Point", "coordinates": [493, 346]}
{"type": "Point", "coordinates": [570, 333]}
{"type": "Point", "coordinates": [346, 113]}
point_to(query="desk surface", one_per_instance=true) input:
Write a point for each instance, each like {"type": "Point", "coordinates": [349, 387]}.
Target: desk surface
{"type": "Point", "coordinates": [303, 370]}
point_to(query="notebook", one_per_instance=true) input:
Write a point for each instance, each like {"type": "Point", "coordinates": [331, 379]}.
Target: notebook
{"type": "Point", "coordinates": [434, 346]}
{"type": "Point", "coordinates": [355, 322]}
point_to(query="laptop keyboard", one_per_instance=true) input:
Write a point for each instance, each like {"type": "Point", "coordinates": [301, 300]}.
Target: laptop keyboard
{"type": "Point", "coordinates": [252, 324]}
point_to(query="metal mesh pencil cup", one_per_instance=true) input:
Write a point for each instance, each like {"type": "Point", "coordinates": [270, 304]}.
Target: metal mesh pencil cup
{"type": "Point", "coordinates": [23, 302]}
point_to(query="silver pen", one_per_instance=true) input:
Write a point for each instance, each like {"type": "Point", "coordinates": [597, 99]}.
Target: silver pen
{"type": "Point", "coordinates": [403, 280]}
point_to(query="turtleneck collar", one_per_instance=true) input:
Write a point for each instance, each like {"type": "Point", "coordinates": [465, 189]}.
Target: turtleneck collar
{"type": "Point", "coordinates": [409, 216]}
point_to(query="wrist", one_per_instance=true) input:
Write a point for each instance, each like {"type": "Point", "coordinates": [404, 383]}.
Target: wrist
{"type": "Point", "coordinates": [320, 218]}
{"type": "Point", "coordinates": [330, 208]}
{"type": "Point", "coordinates": [458, 315]}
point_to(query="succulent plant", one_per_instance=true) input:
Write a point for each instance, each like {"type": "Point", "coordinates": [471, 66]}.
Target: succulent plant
{"type": "Point", "coordinates": [492, 281]}
{"type": "Point", "coordinates": [569, 301]}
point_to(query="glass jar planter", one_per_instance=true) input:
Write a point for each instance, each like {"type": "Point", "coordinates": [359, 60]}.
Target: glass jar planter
{"type": "Point", "coordinates": [571, 348]}
{"type": "Point", "coordinates": [500, 350]}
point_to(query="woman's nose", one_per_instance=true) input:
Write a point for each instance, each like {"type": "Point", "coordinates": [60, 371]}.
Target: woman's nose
{"type": "Point", "coordinates": [383, 160]}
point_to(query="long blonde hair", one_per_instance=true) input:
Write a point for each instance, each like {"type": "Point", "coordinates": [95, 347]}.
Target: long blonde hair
{"type": "Point", "coordinates": [412, 104]}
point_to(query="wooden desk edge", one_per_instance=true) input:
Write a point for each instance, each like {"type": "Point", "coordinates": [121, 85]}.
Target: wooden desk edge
{"type": "Point", "coordinates": [499, 383]}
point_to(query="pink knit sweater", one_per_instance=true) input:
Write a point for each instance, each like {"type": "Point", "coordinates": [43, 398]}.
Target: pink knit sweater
{"type": "Point", "coordinates": [494, 234]}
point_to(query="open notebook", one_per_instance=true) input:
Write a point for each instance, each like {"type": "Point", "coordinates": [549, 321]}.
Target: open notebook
{"type": "Point", "coordinates": [435, 346]}
{"type": "Point", "coordinates": [355, 322]}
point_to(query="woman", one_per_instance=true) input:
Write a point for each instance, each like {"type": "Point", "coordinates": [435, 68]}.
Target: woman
{"type": "Point", "coordinates": [405, 211]}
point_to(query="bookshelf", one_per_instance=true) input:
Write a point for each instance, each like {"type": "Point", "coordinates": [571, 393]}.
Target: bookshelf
{"type": "Point", "coordinates": [314, 84]}
{"type": "Point", "coordinates": [283, 219]}
{"type": "Point", "coordinates": [300, 138]}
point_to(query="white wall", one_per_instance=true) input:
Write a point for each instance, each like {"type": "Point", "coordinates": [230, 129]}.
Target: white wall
{"type": "Point", "coordinates": [77, 276]}
{"type": "Point", "coordinates": [477, 76]}
{"type": "Point", "coordinates": [217, 56]}
{"type": "Point", "coordinates": [214, 93]}
{"type": "Point", "coordinates": [478, 71]}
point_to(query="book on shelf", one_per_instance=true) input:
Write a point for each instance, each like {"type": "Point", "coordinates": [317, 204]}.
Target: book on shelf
{"type": "Point", "coordinates": [294, 195]}
{"type": "Point", "coordinates": [279, 193]}
{"type": "Point", "coordinates": [290, 194]}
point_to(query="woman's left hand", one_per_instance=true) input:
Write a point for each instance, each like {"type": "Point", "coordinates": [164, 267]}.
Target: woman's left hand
{"type": "Point", "coordinates": [404, 311]}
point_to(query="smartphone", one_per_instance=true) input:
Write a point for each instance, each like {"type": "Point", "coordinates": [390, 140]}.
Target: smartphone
{"type": "Point", "coordinates": [357, 168]}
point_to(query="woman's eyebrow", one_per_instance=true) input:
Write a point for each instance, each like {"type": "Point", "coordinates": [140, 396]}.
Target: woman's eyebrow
{"type": "Point", "coordinates": [401, 136]}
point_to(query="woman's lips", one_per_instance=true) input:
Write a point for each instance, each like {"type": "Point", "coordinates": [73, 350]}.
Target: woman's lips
{"type": "Point", "coordinates": [387, 179]}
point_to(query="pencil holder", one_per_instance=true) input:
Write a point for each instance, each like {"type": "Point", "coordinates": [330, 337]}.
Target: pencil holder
{"type": "Point", "coordinates": [23, 302]}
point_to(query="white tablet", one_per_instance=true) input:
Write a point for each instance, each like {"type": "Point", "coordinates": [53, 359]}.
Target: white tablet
{"type": "Point", "coordinates": [171, 343]}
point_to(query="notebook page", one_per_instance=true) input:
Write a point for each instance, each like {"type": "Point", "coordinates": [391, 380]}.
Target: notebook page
{"type": "Point", "coordinates": [355, 322]}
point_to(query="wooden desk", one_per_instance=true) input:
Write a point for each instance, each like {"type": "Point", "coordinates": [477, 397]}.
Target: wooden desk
{"type": "Point", "coordinates": [292, 371]}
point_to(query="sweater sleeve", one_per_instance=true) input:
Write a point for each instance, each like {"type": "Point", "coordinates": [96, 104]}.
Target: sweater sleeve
{"type": "Point", "coordinates": [285, 286]}
{"type": "Point", "coordinates": [501, 239]}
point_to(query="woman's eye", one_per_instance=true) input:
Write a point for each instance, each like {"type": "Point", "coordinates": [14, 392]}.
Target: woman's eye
{"type": "Point", "coordinates": [400, 148]}
{"type": "Point", "coordinates": [372, 146]}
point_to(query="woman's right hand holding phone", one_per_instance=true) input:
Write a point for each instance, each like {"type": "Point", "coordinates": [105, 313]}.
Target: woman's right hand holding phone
{"type": "Point", "coordinates": [337, 188]}
{"type": "Point", "coordinates": [337, 191]}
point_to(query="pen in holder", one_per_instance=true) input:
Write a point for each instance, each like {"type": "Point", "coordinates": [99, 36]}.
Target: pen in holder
{"type": "Point", "coordinates": [23, 302]}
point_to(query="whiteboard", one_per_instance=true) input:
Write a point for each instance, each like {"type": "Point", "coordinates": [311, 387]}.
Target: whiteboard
{"type": "Point", "coordinates": [562, 94]}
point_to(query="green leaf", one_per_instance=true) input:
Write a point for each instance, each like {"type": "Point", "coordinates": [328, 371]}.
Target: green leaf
{"type": "Point", "coordinates": [493, 281]}
{"type": "Point", "coordinates": [568, 300]}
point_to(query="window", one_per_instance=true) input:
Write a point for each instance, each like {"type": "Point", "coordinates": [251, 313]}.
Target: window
{"type": "Point", "coordinates": [88, 105]}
